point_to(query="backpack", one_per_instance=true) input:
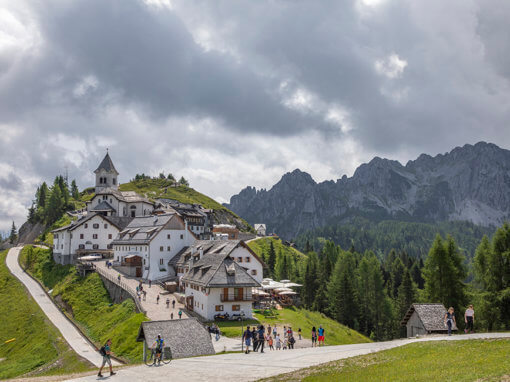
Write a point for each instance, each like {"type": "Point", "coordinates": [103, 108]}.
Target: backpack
{"type": "Point", "coordinates": [102, 351]}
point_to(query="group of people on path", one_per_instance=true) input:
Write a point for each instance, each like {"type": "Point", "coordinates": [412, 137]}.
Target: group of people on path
{"type": "Point", "coordinates": [469, 320]}
{"type": "Point", "coordinates": [258, 337]}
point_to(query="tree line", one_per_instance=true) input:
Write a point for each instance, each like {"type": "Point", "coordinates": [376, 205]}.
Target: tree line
{"type": "Point", "coordinates": [182, 181]}
{"type": "Point", "coordinates": [371, 293]}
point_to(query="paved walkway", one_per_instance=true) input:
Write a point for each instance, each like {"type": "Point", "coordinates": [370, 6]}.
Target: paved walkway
{"type": "Point", "coordinates": [155, 311]}
{"type": "Point", "coordinates": [70, 333]}
{"type": "Point", "coordinates": [253, 366]}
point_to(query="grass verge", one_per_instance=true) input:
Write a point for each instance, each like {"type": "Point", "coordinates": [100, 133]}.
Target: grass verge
{"type": "Point", "coordinates": [87, 302]}
{"type": "Point", "coordinates": [470, 360]}
{"type": "Point", "coordinates": [39, 348]}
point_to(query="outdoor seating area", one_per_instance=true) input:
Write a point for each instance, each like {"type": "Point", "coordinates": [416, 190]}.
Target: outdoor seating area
{"type": "Point", "coordinates": [274, 292]}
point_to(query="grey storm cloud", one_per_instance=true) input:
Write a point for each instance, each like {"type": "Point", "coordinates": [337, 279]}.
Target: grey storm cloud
{"type": "Point", "coordinates": [243, 90]}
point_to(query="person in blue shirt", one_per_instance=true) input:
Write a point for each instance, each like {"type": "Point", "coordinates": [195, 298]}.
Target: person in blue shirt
{"type": "Point", "coordinates": [321, 335]}
{"type": "Point", "coordinates": [105, 351]}
{"type": "Point", "coordinates": [158, 346]}
{"type": "Point", "coordinates": [247, 339]}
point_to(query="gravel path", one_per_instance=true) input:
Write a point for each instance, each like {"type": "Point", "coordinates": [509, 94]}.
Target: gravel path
{"type": "Point", "coordinates": [243, 367]}
{"type": "Point", "coordinates": [70, 333]}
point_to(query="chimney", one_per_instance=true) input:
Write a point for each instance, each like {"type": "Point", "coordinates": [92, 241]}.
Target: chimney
{"type": "Point", "coordinates": [201, 252]}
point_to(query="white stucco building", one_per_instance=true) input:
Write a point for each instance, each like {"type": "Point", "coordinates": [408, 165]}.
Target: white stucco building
{"type": "Point", "coordinates": [260, 229]}
{"type": "Point", "coordinates": [92, 234]}
{"type": "Point", "coordinates": [218, 276]}
{"type": "Point", "coordinates": [155, 239]}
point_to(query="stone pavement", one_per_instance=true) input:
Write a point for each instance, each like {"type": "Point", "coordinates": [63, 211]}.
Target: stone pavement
{"type": "Point", "coordinates": [253, 366]}
{"type": "Point", "coordinates": [70, 333]}
{"type": "Point", "coordinates": [155, 312]}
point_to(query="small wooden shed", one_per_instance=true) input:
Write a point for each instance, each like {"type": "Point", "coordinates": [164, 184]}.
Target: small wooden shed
{"type": "Point", "coordinates": [422, 319]}
{"type": "Point", "coordinates": [183, 338]}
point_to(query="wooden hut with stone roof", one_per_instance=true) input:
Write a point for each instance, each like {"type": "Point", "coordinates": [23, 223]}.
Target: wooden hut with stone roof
{"type": "Point", "coordinates": [423, 319]}
{"type": "Point", "coordinates": [183, 338]}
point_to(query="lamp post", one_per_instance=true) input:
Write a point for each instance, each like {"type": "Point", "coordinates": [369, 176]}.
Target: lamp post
{"type": "Point", "coordinates": [242, 330]}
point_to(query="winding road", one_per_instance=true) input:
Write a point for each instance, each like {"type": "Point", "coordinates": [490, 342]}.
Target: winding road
{"type": "Point", "coordinates": [70, 333]}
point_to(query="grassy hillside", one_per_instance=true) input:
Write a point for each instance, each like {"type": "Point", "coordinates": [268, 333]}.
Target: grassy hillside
{"type": "Point", "coordinates": [473, 360]}
{"type": "Point", "coordinates": [261, 248]}
{"type": "Point", "coordinates": [153, 188]}
{"type": "Point", "coordinates": [336, 333]}
{"type": "Point", "coordinates": [87, 301]}
{"type": "Point", "coordinates": [39, 347]}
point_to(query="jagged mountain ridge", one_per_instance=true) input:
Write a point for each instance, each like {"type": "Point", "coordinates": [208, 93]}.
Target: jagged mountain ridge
{"type": "Point", "coordinates": [469, 183]}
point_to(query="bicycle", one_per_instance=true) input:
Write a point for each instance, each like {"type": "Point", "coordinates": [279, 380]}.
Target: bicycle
{"type": "Point", "coordinates": [151, 358]}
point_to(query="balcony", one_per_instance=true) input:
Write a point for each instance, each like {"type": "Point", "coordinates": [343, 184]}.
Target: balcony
{"type": "Point", "coordinates": [232, 297]}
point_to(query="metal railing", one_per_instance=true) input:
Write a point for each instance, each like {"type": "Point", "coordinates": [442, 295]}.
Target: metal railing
{"type": "Point", "coordinates": [124, 286]}
{"type": "Point", "coordinates": [235, 297]}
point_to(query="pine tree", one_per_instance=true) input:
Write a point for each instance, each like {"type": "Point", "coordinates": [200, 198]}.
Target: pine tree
{"type": "Point", "coordinates": [170, 177]}
{"type": "Point", "coordinates": [183, 182]}
{"type": "Point", "coordinates": [13, 235]}
{"type": "Point", "coordinates": [310, 280]}
{"type": "Point", "coordinates": [55, 207]}
{"type": "Point", "coordinates": [308, 247]}
{"type": "Point", "coordinates": [75, 193]}
{"type": "Point", "coordinates": [396, 274]}
{"type": "Point", "coordinates": [406, 293]}
{"type": "Point", "coordinates": [282, 266]}
{"type": "Point", "coordinates": [417, 274]}
{"type": "Point", "coordinates": [42, 195]}
{"type": "Point", "coordinates": [31, 214]}
{"type": "Point", "coordinates": [271, 258]}
{"type": "Point", "coordinates": [342, 292]}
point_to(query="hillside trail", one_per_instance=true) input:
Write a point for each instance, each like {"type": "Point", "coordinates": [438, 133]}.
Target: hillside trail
{"type": "Point", "coordinates": [254, 366]}
{"type": "Point", "coordinates": [71, 334]}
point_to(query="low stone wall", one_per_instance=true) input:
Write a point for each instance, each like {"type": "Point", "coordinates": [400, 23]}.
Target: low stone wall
{"type": "Point", "coordinates": [128, 271]}
{"type": "Point", "coordinates": [117, 294]}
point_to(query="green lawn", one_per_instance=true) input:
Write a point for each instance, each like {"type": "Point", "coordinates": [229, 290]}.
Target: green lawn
{"type": "Point", "coordinates": [336, 333]}
{"type": "Point", "coordinates": [88, 303]}
{"type": "Point", "coordinates": [473, 360]}
{"type": "Point", "coordinates": [39, 347]}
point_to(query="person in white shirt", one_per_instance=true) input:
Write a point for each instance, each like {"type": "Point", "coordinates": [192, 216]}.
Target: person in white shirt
{"type": "Point", "coordinates": [469, 318]}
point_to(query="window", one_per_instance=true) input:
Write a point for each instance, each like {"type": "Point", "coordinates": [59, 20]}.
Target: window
{"type": "Point", "coordinates": [143, 261]}
{"type": "Point", "coordinates": [247, 259]}
{"type": "Point", "coordinates": [236, 308]}
{"type": "Point", "coordinates": [95, 246]}
{"type": "Point", "coordinates": [253, 271]}
{"type": "Point", "coordinates": [61, 246]}
{"type": "Point", "coordinates": [160, 261]}
{"type": "Point", "coordinates": [168, 248]}
{"type": "Point", "coordinates": [109, 236]}
{"type": "Point", "coordinates": [161, 249]}
{"type": "Point", "coordinates": [114, 180]}
{"type": "Point", "coordinates": [239, 259]}
{"type": "Point", "coordinates": [56, 236]}
{"type": "Point", "coordinates": [219, 308]}
{"type": "Point", "coordinates": [86, 225]}
{"type": "Point", "coordinates": [105, 197]}
{"type": "Point", "coordinates": [94, 236]}
{"type": "Point", "coordinates": [81, 246]}
{"type": "Point", "coordinates": [168, 236]}
{"type": "Point", "coordinates": [81, 236]}
{"type": "Point", "coordinates": [95, 226]}
{"type": "Point", "coordinates": [182, 236]}
{"type": "Point", "coordinates": [106, 226]}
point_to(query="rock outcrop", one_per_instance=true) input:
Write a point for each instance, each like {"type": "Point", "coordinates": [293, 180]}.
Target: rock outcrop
{"type": "Point", "coordinates": [469, 183]}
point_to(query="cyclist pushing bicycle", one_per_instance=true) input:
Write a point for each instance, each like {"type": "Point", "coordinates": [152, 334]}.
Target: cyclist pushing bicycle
{"type": "Point", "coordinates": [158, 348]}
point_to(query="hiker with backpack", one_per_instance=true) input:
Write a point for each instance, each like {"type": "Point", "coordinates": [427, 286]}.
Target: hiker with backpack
{"type": "Point", "coordinates": [105, 352]}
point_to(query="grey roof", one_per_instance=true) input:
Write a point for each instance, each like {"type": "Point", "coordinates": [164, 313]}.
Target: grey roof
{"type": "Point", "coordinates": [185, 337]}
{"type": "Point", "coordinates": [125, 196]}
{"type": "Point", "coordinates": [107, 165]}
{"type": "Point", "coordinates": [120, 222]}
{"type": "Point", "coordinates": [431, 315]}
{"type": "Point", "coordinates": [103, 206]}
{"type": "Point", "coordinates": [217, 269]}
{"type": "Point", "coordinates": [142, 229]}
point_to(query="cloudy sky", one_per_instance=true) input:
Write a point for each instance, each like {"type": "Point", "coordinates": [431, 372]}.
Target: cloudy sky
{"type": "Point", "coordinates": [235, 93]}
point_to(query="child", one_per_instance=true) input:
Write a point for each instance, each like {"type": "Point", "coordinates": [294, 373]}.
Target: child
{"type": "Point", "coordinates": [299, 333]}
{"type": "Point", "coordinates": [270, 342]}
{"type": "Point", "coordinates": [285, 343]}
{"type": "Point", "coordinates": [278, 342]}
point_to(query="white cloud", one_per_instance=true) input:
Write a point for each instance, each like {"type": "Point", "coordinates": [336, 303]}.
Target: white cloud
{"type": "Point", "coordinates": [392, 66]}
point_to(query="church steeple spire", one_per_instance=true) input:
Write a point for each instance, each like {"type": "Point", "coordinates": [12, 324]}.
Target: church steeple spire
{"type": "Point", "coordinates": [106, 174]}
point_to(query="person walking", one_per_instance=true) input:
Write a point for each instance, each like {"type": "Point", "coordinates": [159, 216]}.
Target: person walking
{"type": "Point", "coordinates": [314, 337]}
{"type": "Point", "coordinates": [157, 299]}
{"type": "Point", "coordinates": [118, 277]}
{"type": "Point", "coordinates": [292, 341]}
{"type": "Point", "coordinates": [150, 283]}
{"type": "Point", "coordinates": [299, 333]}
{"type": "Point", "coordinates": [172, 315]}
{"type": "Point", "coordinates": [278, 342]}
{"type": "Point", "coordinates": [285, 332]}
{"type": "Point", "coordinates": [469, 318]}
{"type": "Point", "coordinates": [449, 320]}
{"type": "Point", "coordinates": [275, 331]}
{"type": "Point", "coordinates": [144, 295]}
{"type": "Point", "coordinates": [320, 332]}
{"type": "Point", "coordinates": [247, 339]}
{"type": "Point", "coordinates": [254, 338]}
{"type": "Point", "coordinates": [260, 345]}
{"type": "Point", "coordinates": [105, 352]}
{"type": "Point", "coordinates": [180, 314]}
{"type": "Point", "coordinates": [173, 304]}
{"type": "Point", "coordinates": [285, 344]}
{"type": "Point", "coordinates": [168, 303]}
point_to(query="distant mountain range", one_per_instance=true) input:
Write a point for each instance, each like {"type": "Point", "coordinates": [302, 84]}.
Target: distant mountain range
{"type": "Point", "coordinates": [470, 183]}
